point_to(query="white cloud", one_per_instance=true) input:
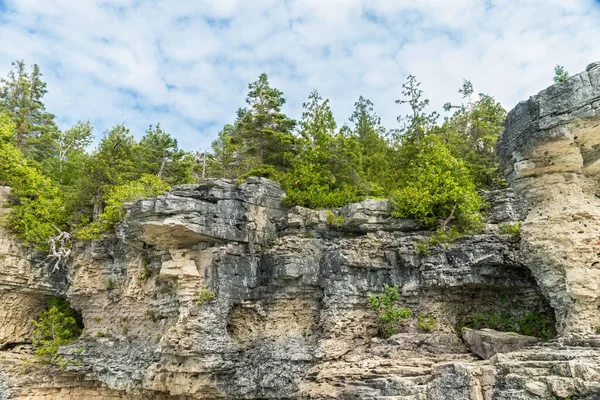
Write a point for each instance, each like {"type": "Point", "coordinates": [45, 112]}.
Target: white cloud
{"type": "Point", "coordinates": [187, 64]}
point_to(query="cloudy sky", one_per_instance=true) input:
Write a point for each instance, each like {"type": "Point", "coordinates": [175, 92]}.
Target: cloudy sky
{"type": "Point", "coordinates": [187, 64]}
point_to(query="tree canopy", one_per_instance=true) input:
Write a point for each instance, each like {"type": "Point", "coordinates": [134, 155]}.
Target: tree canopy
{"type": "Point", "coordinates": [430, 167]}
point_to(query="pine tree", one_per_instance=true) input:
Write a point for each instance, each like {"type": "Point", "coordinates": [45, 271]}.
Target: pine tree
{"type": "Point", "coordinates": [21, 95]}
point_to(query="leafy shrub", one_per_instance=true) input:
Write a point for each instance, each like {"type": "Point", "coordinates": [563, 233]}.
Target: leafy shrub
{"type": "Point", "coordinates": [56, 326]}
{"type": "Point", "coordinates": [532, 324]}
{"type": "Point", "coordinates": [38, 209]}
{"type": "Point", "coordinates": [389, 313]}
{"type": "Point", "coordinates": [421, 247]}
{"type": "Point", "coordinates": [334, 220]}
{"type": "Point", "coordinates": [438, 189]}
{"type": "Point", "coordinates": [147, 186]}
{"type": "Point", "coordinates": [427, 323]}
{"type": "Point", "coordinates": [513, 229]}
{"type": "Point", "coordinates": [205, 296]}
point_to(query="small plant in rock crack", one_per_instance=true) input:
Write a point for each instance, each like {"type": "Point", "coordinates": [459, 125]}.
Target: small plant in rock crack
{"type": "Point", "coordinates": [421, 247]}
{"type": "Point", "coordinates": [389, 313]}
{"type": "Point", "coordinates": [513, 229]}
{"type": "Point", "coordinates": [152, 316]}
{"type": "Point", "coordinates": [597, 330]}
{"type": "Point", "coordinates": [206, 295]}
{"type": "Point", "coordinates": [334, 220]}
{"type": "Point", "coordinates": [427, 323]}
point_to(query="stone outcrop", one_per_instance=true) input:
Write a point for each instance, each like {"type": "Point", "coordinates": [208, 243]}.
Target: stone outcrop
{"type": "Point", "coordinates": [549, 152]}
{"type": "Point", "coordinates": [488, 342]}
{"type": "Point", "coordinates": [218, 291]}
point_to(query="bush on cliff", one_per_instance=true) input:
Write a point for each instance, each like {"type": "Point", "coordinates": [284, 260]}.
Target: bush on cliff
{"type": "Point", "coordinates": [389, 313]}
{"type": "Point", "coordinates": [55, 326]}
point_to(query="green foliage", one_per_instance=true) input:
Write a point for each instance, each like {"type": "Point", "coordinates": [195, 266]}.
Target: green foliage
{"type": "Point", "coordinates": [146, 186]}
{"type": "Point", "coordinates": [324, 173]}
{"type": "Point", "coordinates": [597, 330]}
{"type": "Point", "coordinates": [334, 220]}
{"type": "Point", "coordinates": [421, 247]}
{"type": "Point", "coordinates": [21, 95]}
{"type": "Point", "coordinates": [389, 313]}
{"type": "Point", "coordinates": [110, 284]}
{"type": "Point", "coordinates": [427, 323]}
{"type": "Point", "coordinates": [38, 209]}
{"type": "Point", "coordinates": [56, 326]}
{"type": "Point", "coordinates": [438, 188]}
{"type": "Point", "coordinates": [157, 154]}
{"type": "Point", "coordinates": [560, 74]}
{"type": "Point", "coordinates": [513, 229]}
{"type": "Point", "coordinates": [532, 324]}
{"type": "Point", "coordinates": [471, 133]}
{"type": "Point", "coordinates": [206, 295]}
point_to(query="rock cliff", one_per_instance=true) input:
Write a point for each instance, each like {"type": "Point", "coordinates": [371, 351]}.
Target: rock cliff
{"type": "Point", "coordinates": [550, 154]}
{"type": "Point", "coordinates": [218, 291]}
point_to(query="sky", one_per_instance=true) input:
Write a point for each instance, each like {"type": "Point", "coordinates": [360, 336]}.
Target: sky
{"type": "Point", "coordinates": [187, 64]}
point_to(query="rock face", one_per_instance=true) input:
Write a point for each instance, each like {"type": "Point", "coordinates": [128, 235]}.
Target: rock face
{"type": "Point", "coordinates": [549, 152]}
{"type": "Point", "coordinates": [488, 342]}
{"type": "Point", "coordinates": [24, 289]}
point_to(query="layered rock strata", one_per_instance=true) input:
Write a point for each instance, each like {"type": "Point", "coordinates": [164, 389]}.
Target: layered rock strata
{"type": "Point", "coordinates": [550, 154]}
{"type": "Point", "coordinates": [218, 291]}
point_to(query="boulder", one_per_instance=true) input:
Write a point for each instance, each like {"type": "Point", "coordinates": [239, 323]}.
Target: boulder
{"type": "Point", "coordinates": [488, 342]}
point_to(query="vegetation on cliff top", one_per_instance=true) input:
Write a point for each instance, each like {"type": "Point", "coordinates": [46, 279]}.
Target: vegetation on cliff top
{"type": "Point", "coordinates": [430, 167]}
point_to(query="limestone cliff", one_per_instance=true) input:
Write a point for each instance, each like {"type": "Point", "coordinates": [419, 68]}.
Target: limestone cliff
{"type": "Point", "coordinates": [218, 291]}
{"type": "Point", "coordinates": [550, 154]}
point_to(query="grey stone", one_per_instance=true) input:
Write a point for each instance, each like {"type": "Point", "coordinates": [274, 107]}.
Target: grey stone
{"type": "Point", "coordinates": [488, 342]}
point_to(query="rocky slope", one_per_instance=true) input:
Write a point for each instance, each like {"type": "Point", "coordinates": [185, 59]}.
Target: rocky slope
{"type": "Point", "coordinates": [218, 291]}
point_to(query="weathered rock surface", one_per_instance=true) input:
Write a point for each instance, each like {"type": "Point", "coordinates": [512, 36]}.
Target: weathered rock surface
{"type": "Point", "coordinates": [290, 317]}
{"type": "Point", "coordinates": [549, 152]}
{"type": "Point", "coordinates": [488, 342]}
{"type": "Point", "coordinates": [24, 288]}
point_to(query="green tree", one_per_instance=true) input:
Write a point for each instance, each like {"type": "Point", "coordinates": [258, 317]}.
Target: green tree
{"type": "Point", "coordinates": [157, 153]}
{"type": "Point", "coordinates": [147, 186]}
{"type": "Point", "coordinates": [417, 124]}
{"type": "Point", "coordinates": [112, 163]}
{"type": "Point", "coordinates": [264, 128]}
{"type": "Point", "coordinates": [226, 161]}
{"type": "Point", "coordinates": [21, 95]}
{"type": "Point", "coordinates": [70, 155]}
{"type": "Point", "coordinates": [375, 151]}
{"type": "Point", "coordinates": [438, 189]}
{"type": "Point", "coordinates": [324, 173]}
{"type": "Point", "coordinates": [56, 326]}
{"type": "Point", "coordinates": [471, 134]}
{"type": "Point", "coordinates": [37, 211]}
{"type": "Point", "coordinates": [560, 74]}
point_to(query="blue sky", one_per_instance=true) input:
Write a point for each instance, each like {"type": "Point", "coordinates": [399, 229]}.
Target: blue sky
{"type": "Point", "coordinates": [187, 64]}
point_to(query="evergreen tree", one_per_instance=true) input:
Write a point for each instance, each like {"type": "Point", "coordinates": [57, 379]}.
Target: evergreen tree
{"type": "Point", "coordinates": [471, 135]}
{"type": "Point", "coordinates": [113, 163]}
{"type": "Point", "coordinates": [157, 153]}
{"type": "Point", "coordinates": [21, 94]}
{"type": "Point", "coordinates": [375, 150]}
{"type": "Point", "coordinates": [324, 174]}
{"type": "Point", "coordinates": [560, 74]}
{"type": "Point", "coordinates": [265, 130]}
{"type": "Point", "coordinates": [417, 124]}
